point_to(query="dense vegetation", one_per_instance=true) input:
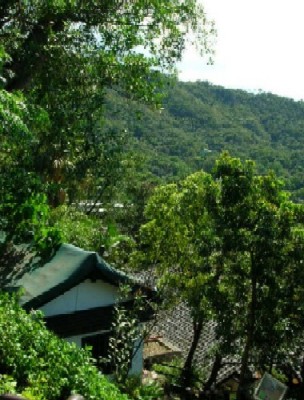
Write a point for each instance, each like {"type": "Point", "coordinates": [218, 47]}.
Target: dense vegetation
{"type": "Point", "coordinates": [38, 364]}
{"type": "Point", "coordinates": [56, 60]}
{"type": "Point", "coordinates": [75, 125]}
{"type": "Point", "coordinates": [230, 245]}
{"type": "Point", "coordinates": [199, 120]}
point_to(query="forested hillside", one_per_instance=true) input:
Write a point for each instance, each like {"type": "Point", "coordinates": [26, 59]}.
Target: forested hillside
{"type": "Point", "coordinates": [198, 121]}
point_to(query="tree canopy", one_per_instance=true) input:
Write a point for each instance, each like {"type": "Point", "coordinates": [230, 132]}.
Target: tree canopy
{"type": "Point", "coordinates": [56, 59]}
{"type": "Point", "coordinates": [229, 244]}
{"type": "Point", "coordinates": [200, 120]}
{"type": "Point", "coordinates": [40, 37]}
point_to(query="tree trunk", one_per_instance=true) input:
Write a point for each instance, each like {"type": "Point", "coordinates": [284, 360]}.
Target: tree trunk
{"type": "Point", "coordinates": [302, 379]}
{"type": "Point", "coordinates": [217, 365]}
{"type": "Point", "coordinates": [244, 368]}
{"type": "Point", "coordinates": [249, 337]}
{"type": "Point", "coordinates": [186, 372]}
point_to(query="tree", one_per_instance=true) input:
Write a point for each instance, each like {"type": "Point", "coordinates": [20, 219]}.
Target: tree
{"type": "Point", "coordinates": [261, 249]}
{"type": "Point", "coordinates": [179, 239]}
{"type": "Point", "coordinates": [23, 208]}
{"type": "Point", "coordinates": [39, 37]}
{"type": "Point", "coordinates": [229, 245]}
{"type": "Point", "coordinates": [62, 55]}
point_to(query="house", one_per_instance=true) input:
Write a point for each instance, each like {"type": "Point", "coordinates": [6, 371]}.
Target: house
{"type": "Point", "coordinates": [77, 291]}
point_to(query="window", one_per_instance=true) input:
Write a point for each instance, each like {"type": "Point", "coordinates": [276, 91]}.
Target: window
{"type": "Point", "coordinates": [100, 348]}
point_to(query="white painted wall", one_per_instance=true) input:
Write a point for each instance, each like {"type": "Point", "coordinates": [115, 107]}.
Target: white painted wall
{"type": "Point", "coordinates": [86, 295]}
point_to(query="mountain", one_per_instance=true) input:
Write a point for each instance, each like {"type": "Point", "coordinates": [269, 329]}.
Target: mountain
{"type": "Point", "coordinates": [199, 120]}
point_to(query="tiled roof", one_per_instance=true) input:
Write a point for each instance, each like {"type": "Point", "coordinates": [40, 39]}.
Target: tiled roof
{"type": "Point", "coordinates": [68, 267]}
{"type": "Point", "coordinates": [176, 327]}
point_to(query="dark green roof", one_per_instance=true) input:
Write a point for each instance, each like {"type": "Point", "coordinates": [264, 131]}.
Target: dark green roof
{"type": "Point", "coordinates": [68, 267]}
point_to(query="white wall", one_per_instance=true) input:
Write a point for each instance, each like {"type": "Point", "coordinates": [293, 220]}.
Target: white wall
{"type": "Point", "coordinates": [138, 360]}
{"type": "Point", "coordinates": [86, 295]}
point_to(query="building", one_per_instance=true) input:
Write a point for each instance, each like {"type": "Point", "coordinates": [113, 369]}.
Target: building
{"type": "Point", "coordinates": [77, 291]}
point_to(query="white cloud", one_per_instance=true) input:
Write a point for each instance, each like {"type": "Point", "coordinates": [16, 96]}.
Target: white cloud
{"type": "Point", "coordinates": [259, 46]}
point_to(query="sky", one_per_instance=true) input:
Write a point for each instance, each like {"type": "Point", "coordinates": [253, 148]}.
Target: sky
{"type": "Point", "coordinates": [259, 46]}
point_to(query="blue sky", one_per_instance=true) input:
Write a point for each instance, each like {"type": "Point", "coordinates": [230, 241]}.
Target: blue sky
{"type": "Point", "coordinates": [260, 46]}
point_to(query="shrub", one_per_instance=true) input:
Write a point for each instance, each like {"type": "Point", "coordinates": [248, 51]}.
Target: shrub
{"type": "Point", "coordinates": [136, 390]}
{"type": "Point", "coordinates": [172, 374]}
{"type": "Point", "coordinates": [42, 364]}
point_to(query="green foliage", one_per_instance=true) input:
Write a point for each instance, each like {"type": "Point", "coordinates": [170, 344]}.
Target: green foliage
{"type": "Point", "coordinates": [179, 239]}
{"type": "Point", "coordinates": [56, 59]}
{"type": "Point", "coordinates": [261, 254]}
{"type": "Point", "coordinates": [93, 233]}
{"type": "Point", "coordinates": [7, 384]}
{"type": "Point", "coordinates": [42, 365]}
{"type": "Point", "coordinates": [126, 331]}
{"type": "Point", "coordinates": [199, 120]}
{"type": "Point", "coordinates": [24, 213]}
{"type": "Point", "coordinates": [79, 229]}
{"type": "Point", "coordinates": [32, 218]}
{"type": "Point", "coordinates": [172, 374]}
{"type": "Point", "coordinates": [118, 247]}
{"type": "Point", "coordinates": [106, 34]}
{"type": "Point", "coordinates": [137, 390]}
{"type": "Point", "coordinates": [230, 245]}
{"type": "Point", "coordinates": [63, 54]}
{"type": "Point", "coordinates": [26, 218]}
